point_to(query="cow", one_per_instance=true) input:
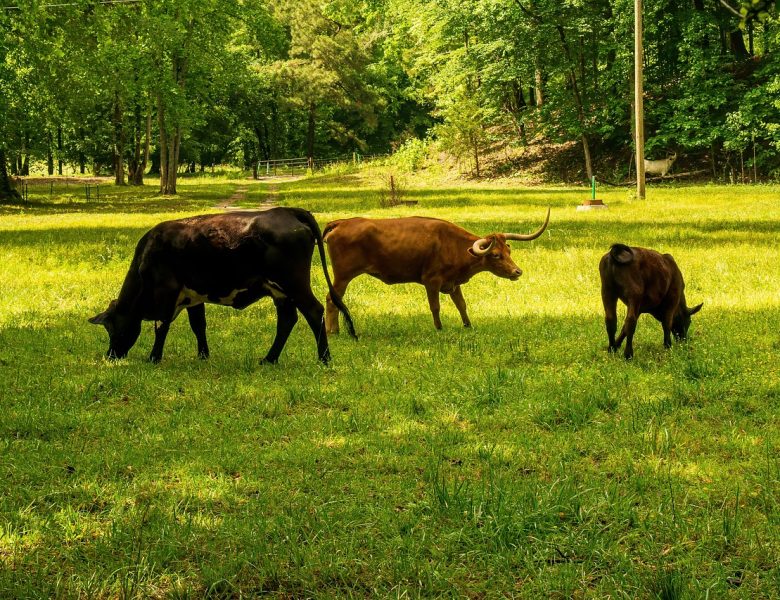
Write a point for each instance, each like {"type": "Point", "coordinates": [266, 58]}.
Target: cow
{"type": "Point", "coordinates": [660, 167]}
{"type": "Point", "coordinates": [435, 253]}
{"type": "Point", "coordinates": [232, 259]}
{"type": "Point", "coordinates": [646, 282]}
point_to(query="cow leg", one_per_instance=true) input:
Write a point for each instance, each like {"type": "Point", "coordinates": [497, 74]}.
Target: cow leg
{"type": "Point", "coordinates": [197, 316]}
{"type": "Point", "coordinates": [160, 333]}
{"type": "Point", "coordinates": [433, 302]}
{"type": "Point", "coordinates": [610, 319]}
{"type": "Point", "coordinates": [457, 297]}
{"type": "Point", "coordinates": [286, 317]}
{"type": "Point", "coordinates": [666, 323]}
{"type": "Point", "coordinates": [331, 312]}
{"type": "Point", "coordinates": [165, 298]}
{"type": "Point", "coordinates": [627, 333]}
{"type": "Point", "coordinates": [314, 314]}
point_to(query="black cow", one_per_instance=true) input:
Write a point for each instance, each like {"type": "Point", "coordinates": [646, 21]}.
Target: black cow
{"type": "Point", "coordinates": [233, 259]}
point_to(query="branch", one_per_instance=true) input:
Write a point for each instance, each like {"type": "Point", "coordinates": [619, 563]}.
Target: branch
{"type": "Point", "coordinates": [534, 17]}
{"type": "Point", "coordinates": [730, 8]}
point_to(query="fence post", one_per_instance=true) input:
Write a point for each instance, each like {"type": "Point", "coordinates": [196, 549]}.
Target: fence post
{"type": "Point", "coordinates": [97, 189]}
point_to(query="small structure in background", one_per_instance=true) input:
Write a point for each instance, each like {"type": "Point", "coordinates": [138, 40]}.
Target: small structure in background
{"type": "Point", "coordinates": [593, 202]}
{"type": "Point", "coordinates": [88, 192]}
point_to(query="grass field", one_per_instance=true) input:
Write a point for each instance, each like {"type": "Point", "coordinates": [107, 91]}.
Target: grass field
{"type": "Point", "coordinates": [513, 459]}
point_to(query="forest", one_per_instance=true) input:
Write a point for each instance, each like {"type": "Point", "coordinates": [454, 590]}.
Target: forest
{"type": "Point", "coordinates": [135, 88]}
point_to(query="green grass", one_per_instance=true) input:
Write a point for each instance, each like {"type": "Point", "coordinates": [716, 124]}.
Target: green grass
{"type": "Point", "coordinates": [517, 458]}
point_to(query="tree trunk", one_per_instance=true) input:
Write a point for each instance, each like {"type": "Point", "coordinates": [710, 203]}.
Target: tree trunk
{"type": "Point", "coordinates": [25, 156]}
{"type": "Point", "coordinates": [586, 152]}
{"type": "Point", "coordinates": [49, 156]}
{"type": "Point", "coordinates": [737, 44]}
{"type": "Point", "coordinates": [516, 107]}
{"type": "Point", "coordinates": [169, 154]}
{"type": "Point", "coordinates": [163, 146]}
{"type": "Point", "coordinates": [59, 149]}
{"type": "Point", "coordinates": [119, 142]}
{"type": "Point", "coordinates": [154, 162]}
{"type": "Point", "coordinates": [577, 101]}
{"type": "Point", "coordinates": [476, 155]}
{"type": "Point", "coordinates": [310, 132]}
{"type": "Point", "coordinates": [538, 78]}
{"type": "Point", "coordinates": [7, 191]}
{"type": "Point", "coordinates": [137, 164]}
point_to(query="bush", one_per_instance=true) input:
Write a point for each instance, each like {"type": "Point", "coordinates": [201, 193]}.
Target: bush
{"type": "Point", "coordinates": [411, 155]}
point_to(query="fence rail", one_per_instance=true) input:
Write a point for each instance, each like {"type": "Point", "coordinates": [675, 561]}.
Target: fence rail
{"type": "Point", "coordinates": [291, 166]}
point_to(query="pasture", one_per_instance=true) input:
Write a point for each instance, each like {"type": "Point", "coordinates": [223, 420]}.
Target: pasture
{"type": "Point", "coordinates": [513, 459]}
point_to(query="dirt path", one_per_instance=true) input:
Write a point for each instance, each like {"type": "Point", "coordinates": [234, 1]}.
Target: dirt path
{"type": "Point", "coordinates": [230, 203]}
{"type": "Point", "coordinates": [270, 199]}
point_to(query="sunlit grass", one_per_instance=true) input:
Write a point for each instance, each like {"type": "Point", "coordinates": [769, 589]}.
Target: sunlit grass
{"type": "Point", "coordinates": [515, 458]}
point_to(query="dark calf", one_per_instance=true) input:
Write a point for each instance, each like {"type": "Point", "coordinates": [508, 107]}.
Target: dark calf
{"type": "Point", "coordinates": [646, 282]}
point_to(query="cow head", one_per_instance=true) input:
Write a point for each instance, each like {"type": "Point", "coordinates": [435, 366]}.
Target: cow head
{"type": "Point", "coordinates": [682, 320]}
{"type": "Point", "coordinates": [494, 255]}
{"type": "Point", "coordinates": [123, 330]}
{"type": "Point", "coordinates": [494, 252]}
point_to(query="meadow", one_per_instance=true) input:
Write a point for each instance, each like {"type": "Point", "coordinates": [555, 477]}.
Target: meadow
{"type": "Point", "coordinates": [513, 459]}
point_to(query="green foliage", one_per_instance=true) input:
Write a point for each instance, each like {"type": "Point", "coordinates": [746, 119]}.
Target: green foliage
{"type": "Point", "coordinates": [253, 81]}
{"type": "Point", "coordinates": [411, 156]}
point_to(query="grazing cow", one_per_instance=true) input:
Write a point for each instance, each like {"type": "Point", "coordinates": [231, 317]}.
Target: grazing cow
{"type": "Point", "coordinates": [233, 259]}
{"type": "Point", "coordinates": [647, 282]}
{"type": "Point", "coordinates": [435, 253]}
{"type": "Point", "coordinates": [660, 167]}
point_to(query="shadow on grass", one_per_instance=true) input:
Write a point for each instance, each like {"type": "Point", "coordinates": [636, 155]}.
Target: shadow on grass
{"type": "Point", "coordinates": [126, 200]}
{"type": "Point", "coordinates": [562, 232]}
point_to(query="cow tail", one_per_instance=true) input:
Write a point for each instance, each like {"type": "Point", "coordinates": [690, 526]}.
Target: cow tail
{"type": "Point", "coordinates": [308, 219]}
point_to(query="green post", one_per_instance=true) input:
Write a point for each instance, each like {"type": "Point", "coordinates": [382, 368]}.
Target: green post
{"type": "Point", "coordinates": [593, 187]}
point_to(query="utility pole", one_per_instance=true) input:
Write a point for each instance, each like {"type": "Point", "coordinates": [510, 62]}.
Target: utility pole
{"type": "Point", "coordinates": [639, 116]}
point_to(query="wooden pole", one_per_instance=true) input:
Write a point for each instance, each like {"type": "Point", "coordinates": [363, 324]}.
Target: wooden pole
{"type": "Point", "coordinates": [639, 118]}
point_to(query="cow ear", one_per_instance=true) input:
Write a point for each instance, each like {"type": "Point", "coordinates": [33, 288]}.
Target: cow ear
{"type": "Point", "coordinates": [695, 309]}
{"type": "Point", "coordinates": [99, 319]}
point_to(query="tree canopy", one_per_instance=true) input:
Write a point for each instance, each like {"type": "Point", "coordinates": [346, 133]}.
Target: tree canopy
{"type": "Point", "coordinates": [123, 87]}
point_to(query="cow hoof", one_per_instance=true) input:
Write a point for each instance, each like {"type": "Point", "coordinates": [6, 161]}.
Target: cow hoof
{"type": "Point", "coordinates": [612, 349]}
{"type": "Point", "coordinates": [203, 355]}
{"type": "Point", "coordinates": [155, 359]}
{"type": "Point", "coordinates": [269, 361]}
{"type": "Point", "coordinates": [467, 325]}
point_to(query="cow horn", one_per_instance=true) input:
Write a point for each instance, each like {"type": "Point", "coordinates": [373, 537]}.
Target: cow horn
{"type": "Point", "coordinates": [530, 236]}
{"type": "Point", "coordinates": [479, 250]}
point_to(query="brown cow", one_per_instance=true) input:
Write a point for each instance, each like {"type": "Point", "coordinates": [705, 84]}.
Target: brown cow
{"type": "Point", "coordinates": [435, 253]}
{"type": "Point", "coordinates": [647, 282]}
